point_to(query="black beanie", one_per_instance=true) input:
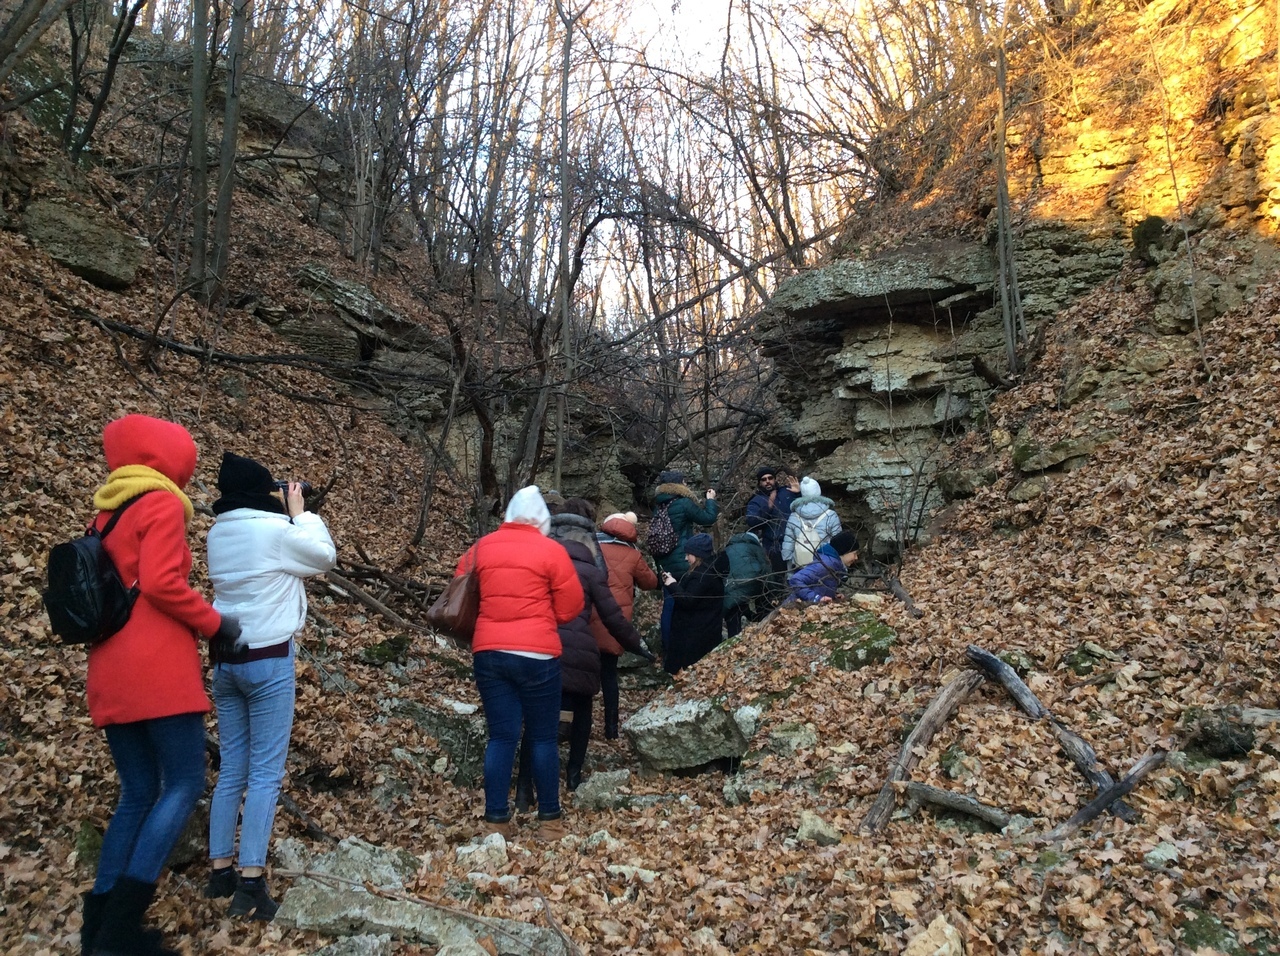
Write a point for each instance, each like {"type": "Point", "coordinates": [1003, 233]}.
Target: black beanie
{"type": "Point", "coordinates": [844, 542]}
{"type": "Point", "coordinates": [671, 478]}
{"type": "Point", "coordinates": [245, 483]}
{"type": "Point", "coordinates": [765, 470]}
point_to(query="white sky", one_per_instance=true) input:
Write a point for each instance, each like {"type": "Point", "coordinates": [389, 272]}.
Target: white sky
{"type": "Point", "coordinates": [692, 30]}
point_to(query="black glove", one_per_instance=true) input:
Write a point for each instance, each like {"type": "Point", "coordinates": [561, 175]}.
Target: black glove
{"type": "Point", "coordinates": [226, 644]}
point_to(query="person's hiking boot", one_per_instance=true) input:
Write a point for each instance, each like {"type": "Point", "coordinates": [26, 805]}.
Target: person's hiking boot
{"type": "Point", "coordinates": [611, 728]}
{"type": "Point", "coordinates": [252, 901]}
{"type": "Point", "coordinates": [573, 777]}
{"type": "Point", "coordinates": [524, 797]}
{"type": "Point", "coordinates": [91, 920]}
{"type": "Point", "coordinates": [222, 883]}
{"type": "Point", "coordinates": [120, 931]}
{"type": "Point", "coordinates": [551, 828]}
{"type": "Point", "coordinates": [502, 826]}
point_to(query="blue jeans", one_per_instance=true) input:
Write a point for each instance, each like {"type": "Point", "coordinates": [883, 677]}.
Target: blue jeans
{"type": "Point", "coordinates": [255, 718]}
{"type": "Point", "coordinates": [161, 768]}
{"type": "Point", "coordinates": [519, 692]}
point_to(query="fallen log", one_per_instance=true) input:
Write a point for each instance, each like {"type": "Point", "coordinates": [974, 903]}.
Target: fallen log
{"type": "Point", "coordinates": [347, 588]}
{"type": "Point", "coordinates": [937, 714]}
{"type": "Point", "coordinates": [1073, 745]}
{"type": "Point", "coordinates": [957, 802]}
{"type": "Point", "coordinates": [1099, 804]}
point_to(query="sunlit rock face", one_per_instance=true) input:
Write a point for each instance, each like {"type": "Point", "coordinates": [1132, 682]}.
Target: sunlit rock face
{"type": "Point", "coordinates": [879, 360]}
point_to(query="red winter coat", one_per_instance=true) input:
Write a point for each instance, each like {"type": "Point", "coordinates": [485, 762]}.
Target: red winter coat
{"type": "Point", "coordinates": [151, 667]}
{"type": "Point", "coordinates": [528, 587]}
{"type": "Point", "coordinates": [628, 570]}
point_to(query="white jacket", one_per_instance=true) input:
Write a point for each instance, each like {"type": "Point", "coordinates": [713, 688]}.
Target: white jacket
{"type": "Point", "coordinates": [257, 561]}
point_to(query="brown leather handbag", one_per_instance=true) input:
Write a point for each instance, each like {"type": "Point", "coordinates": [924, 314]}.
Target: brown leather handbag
{"type": "Point", "coordinates": [455, 611]}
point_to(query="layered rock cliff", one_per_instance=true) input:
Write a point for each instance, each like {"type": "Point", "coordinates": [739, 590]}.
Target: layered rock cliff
{"type": "Point", "coordinates": [1171, 161]}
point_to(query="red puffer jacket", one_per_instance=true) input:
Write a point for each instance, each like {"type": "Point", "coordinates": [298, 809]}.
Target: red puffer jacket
{"type": "Point", "coordinates": [628, 570]}
{"type": "Point", "coordinates": [528, 587]}
{"type": "Point", "coordinates": [151, 668]}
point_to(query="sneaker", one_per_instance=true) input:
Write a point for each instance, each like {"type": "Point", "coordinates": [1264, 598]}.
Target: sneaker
{"type": "Point", "coordinates": [551, 829]}
{"type": "Point", "coordinates": [251, 900]}
{"type": "Point", "coordinates": [222, 883]}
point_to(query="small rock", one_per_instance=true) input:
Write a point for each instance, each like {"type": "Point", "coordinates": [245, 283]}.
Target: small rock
{"type": "Point", "coordinates": [1162, 855]}
{"type": "Point", "coordinates": [866, 601]}
{"type": "Point", "coordinates": [366, 945]}
{"type": "Point", "coordinates": [814, 828]}
{"type": "Point", "coordinates": [489, 854]}
{"type": "Point", "coordinates": [632, 873]}
{"type": "Point", "coordinates": [747, 717]}
{"type": "Point", "coordinates": [600, 790]}
{"type": "Point", "coordinates": [940, 938]}
{"type": "Point", "coordinates": [601, 838]}
{"type": "Point", "coordinates": [1017, 824]}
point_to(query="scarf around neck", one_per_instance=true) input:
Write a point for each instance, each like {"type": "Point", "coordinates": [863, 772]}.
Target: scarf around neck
{"type": "Point", "coordinates": [129, 481]}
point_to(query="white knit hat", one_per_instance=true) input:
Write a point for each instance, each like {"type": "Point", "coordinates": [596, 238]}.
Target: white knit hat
{"type": "Point", "coordinates": [527, 507]}
{"type": "Point", "coordinates": [627, 516]}
{"type": "Point", "coordinates": [809, 487]}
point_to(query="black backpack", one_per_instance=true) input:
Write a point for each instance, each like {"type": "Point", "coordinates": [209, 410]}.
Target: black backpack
{"type": "Point", "coordinates": [86, 600]}
{"type": "Point", "coordinates": [661, 538]}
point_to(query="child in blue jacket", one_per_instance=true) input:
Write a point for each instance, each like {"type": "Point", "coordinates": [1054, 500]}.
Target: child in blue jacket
{"type": "Point", "coordinates": [821, 580]}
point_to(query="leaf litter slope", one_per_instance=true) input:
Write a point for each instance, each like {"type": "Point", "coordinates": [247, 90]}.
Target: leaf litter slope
{"type": "Point", "coordinates": [1161, 550]}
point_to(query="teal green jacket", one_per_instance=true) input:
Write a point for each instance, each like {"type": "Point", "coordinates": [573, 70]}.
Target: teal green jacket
{"type": "Point", "coordinates": [687, 513]}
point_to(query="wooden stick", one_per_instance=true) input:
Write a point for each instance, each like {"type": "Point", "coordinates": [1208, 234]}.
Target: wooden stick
{"type": "Point", "coordinates": [1072, 744]}
{"type": "Point", "coordinates": [336, 580]}
{"type": "Point", "coordinates": [950, 800]}
{"type": "Point", "coordinates": [1095, 807]}
{"type": "Point", "coordinates": [937, 714]}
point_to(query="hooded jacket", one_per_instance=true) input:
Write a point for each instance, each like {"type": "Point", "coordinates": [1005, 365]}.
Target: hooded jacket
{"type": "Point", "coordinates": [151, 667]}
{"type": "Point", "coordinates": [768, 522]}
{"type": "Point", "coordinates": [528, 588]}
{"type": "Point", "coordinates": [257, 563]}
{"type": "Point", "coordinates": [686, 512]}
{"type": "Point", "coordinates": [628, 570]}
{"type": "Point", "coordinates": [813, 518]}
{"type": "Point", "coordinates": [570, 527]}
{"type": "Point", "coordinates": [748, 568]}
{"type": "Point", "coordinates": [580, 662]}
{"type": "Point", "coordinates": [820, 579]}
{"type": "Point", "coordinates": [697, 619]}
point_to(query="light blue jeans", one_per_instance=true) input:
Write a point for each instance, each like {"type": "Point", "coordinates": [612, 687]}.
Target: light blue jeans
{"type": "Point", "coordinates": [255, 718]}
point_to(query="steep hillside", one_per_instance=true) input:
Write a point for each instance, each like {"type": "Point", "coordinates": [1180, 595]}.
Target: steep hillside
{"type": "Point", "coordinates": [1136, 588]}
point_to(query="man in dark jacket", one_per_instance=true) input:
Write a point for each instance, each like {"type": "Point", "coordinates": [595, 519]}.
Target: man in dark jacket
{"type": "Point", "coordinates": [767, 514]}
{"type": "Point", "coordinates": [748, 570]}
{"type": "Point", "coordinates": [686, 511]}
{"type": "Point", "coordinates": [697, 621]}
{"type": "Point", "coordinates": [580, 665]}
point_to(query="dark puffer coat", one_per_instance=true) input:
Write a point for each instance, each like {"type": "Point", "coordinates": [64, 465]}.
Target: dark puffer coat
{"type": "Point", "coordinates": [567, 527]}
{"type": "Point", "coordinates": [580, 659]}
{"type": "Point", "coordinates": [748, 569]}
{"type": "Point", "coordinates": [697, 622]}
{"type": "Point", "coordinates": [686, 512]}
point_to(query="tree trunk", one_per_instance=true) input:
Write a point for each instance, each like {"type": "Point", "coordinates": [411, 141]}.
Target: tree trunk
{"type": "Point", "coordinates": [227, 155]}
{"type": "Point", "coordinates": [197, 276]}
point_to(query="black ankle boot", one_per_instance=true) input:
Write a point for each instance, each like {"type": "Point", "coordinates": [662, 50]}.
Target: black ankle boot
{"type": "Point", "coordinates": [94, 906]}
{"type": "Point", "coordinates": [222, 883]}
{"type": "Point", "coordinates": [252, 899]}
{"type": "Point", "coordinates": [573, 777]}
{"type": "Point", "coordinates": [524, 796]}
{"type": "Point", "coordinates": [121, 932]}
{"type": "Point", "coordinates": [611, 728]}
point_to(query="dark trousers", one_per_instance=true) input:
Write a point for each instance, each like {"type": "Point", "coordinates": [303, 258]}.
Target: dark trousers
{"type": "Point", "coordinates": [579, 705]}
{"type": "Point", "coordinates": [609, 692]}
{"type": "Point", "coordinates": [733, 621]}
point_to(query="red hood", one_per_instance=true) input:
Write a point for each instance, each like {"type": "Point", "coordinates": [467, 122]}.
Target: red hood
{"type": "Point", "coordinates": [141, 440]}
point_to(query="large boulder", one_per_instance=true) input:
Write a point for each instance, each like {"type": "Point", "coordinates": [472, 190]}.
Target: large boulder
{"type": "Point", "coordinates": [82, 240]}
{"type": "Point", "coordinates": [686, 735]}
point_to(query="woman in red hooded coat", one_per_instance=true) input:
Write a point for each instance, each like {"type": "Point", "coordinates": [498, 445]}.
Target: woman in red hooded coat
{"type": "Point", "coordinates": [146, 681]}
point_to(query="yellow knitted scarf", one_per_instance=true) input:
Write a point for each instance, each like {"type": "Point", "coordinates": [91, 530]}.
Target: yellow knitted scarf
{"type": "Point", "coordinates": [130, 481]}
